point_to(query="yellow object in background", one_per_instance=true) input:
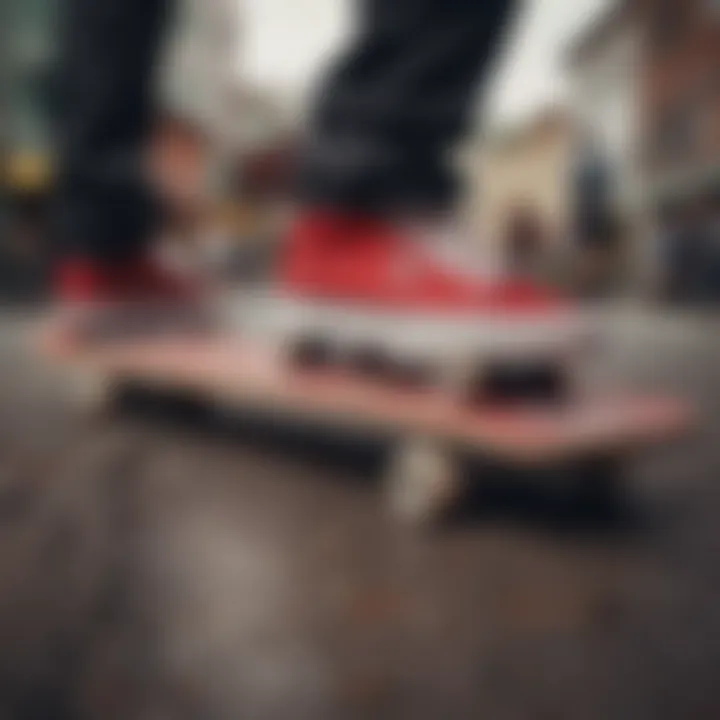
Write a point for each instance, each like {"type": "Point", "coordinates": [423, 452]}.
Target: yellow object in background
{"type": "Point", "coordinates": [28, 172]}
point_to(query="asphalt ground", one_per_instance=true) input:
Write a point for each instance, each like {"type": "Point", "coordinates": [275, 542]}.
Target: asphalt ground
{"type": "Point", "coordinates": [155, 566]}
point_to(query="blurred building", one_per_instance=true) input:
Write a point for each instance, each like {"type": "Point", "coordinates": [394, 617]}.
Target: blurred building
{"type": "Point", "coordinates": [255, 119]}
{"type": "Point", "coordinates": [199, 77]}
{"type": "Point", "coordinates": [645, 97]}
{"type": "Point", "coordinates": [261, 132]}
{"type": "Point", "coordinates": [681, 97]}
{"type": "Point", "coordinates": [212, 118]}
{"type": "Point", "coordinates": [605, 82]}
{"type": "Point", "coordinates": [201, 61]}
{"type": "Point", "coordinates": [681, 125]}
{"type": "Point", "coordinates": [525, 171]}
{"type": "Point", "coordinates": [610, 208]}
{"type": "Point", "coordinates": [203, 87]}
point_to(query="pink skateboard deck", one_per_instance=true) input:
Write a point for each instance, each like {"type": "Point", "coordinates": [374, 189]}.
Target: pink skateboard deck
{"type": "Point", "coordinates": [232, 371]}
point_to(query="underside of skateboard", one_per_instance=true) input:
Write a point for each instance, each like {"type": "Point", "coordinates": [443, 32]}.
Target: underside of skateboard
{"type": "Point", "coordinates": [435, 437]}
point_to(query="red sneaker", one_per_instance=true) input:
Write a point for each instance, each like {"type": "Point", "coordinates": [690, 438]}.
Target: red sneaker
{"type": "Point", "coordinates": [141, 280]}
{"type": "Point", "coordinates": [361, 282]}
{"type": "Point", "coordinates": [100, 300]}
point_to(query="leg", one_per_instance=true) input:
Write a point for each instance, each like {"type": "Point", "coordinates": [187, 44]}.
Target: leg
{"type": "Point", "coordinates": [105, 210]}
{"type": "Point", "coordinates": [373, 242]}
{"type": "Point", "coordinates": [396, 103]}
{"type": "Point", "coordinates": [108, 51]}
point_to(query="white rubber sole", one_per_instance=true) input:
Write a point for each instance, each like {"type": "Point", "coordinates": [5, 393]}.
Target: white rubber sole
{"type": "Point", "coordinates": [413, 336]}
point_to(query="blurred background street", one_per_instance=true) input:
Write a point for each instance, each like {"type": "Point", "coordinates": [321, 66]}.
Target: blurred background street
{"type": "Point", "coordinates": [595, 157]}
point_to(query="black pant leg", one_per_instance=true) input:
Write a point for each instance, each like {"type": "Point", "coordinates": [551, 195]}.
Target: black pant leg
{"type": "Point", "coordinates": [397, 102]}
{"type": "Point", "coordinates": [108, 50]}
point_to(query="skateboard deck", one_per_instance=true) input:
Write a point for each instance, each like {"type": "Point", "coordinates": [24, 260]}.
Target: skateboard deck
{"type": "Point", "coordinates": [233, 371]}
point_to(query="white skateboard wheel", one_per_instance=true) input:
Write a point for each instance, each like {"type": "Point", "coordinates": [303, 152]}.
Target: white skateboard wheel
{"type": "Point", "coordinates": [422, 482]}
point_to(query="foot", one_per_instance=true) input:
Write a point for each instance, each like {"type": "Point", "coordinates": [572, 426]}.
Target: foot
{"type": "Point", "coordinates": [356, 285]}
{"type": "Point", "coordinates": [103, 301]}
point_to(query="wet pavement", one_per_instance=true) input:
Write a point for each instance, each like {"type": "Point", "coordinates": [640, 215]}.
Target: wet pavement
{"type": "Point", "coordinates": [174, 568]}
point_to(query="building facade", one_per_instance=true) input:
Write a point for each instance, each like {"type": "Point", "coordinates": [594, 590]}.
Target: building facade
{"type": "Point", "coordinates": [523, 171]}
{"type": "Point", "coordinates": [604, 68]}
{"type": "Point", "coordinates": [604, 64]}
{"type": "Point", "coordinates": [680, 98]}
{"type": "Point", "coordinates": [680, 101]}
{"type": "Point", "coordinates": [200, 67]}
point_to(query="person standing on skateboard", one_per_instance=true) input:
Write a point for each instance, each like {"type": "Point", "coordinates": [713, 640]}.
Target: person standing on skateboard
{"type": "Point", "coordinates": [375, 183]}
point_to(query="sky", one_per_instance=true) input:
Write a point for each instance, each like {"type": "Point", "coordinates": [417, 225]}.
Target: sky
{"type": "Point", "coordinates": [287, 43]}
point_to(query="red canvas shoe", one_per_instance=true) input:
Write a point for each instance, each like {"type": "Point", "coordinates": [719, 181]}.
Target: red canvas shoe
{"type": "Point", "coordinates": [369, 286]}
{"type": "Point", "coordinates": [102, 301]}
{"type": "Point", "coordinates": [141, 280]}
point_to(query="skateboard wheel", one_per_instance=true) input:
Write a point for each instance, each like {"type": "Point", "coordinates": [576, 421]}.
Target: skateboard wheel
{"type": "Point", "coordinates": [421, 483]}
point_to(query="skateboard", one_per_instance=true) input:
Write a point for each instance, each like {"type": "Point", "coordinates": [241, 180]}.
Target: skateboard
{"type": "Point", "coordinates": [431, 433]}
